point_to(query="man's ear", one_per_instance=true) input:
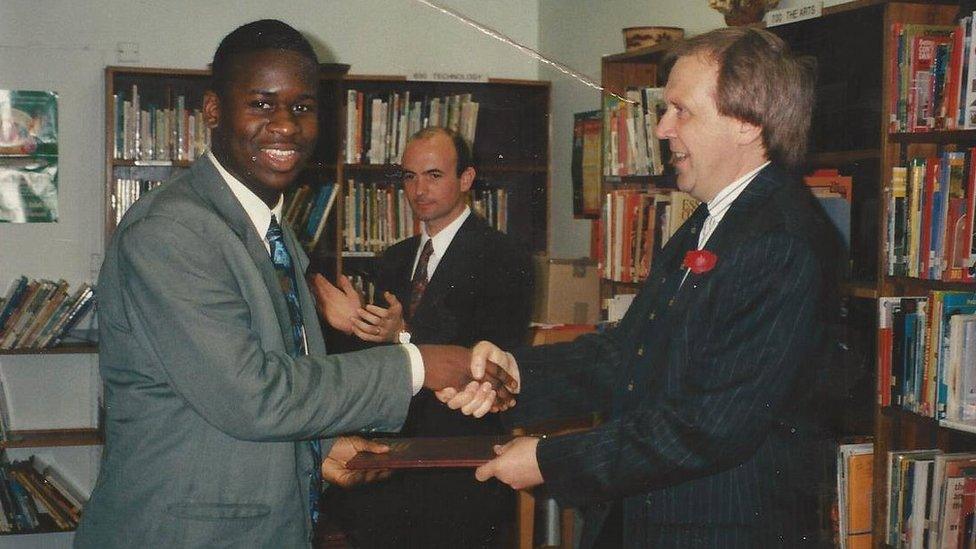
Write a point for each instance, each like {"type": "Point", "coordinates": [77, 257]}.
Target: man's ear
{"type": "Point", "coordinates": [211, 109]}
{"type": "Point", "coordinates": [748, 133]}
{"type": "Point", "coordinates": [467, 179]}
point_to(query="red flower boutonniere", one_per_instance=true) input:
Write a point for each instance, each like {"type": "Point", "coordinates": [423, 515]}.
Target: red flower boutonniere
{"type": "Point", "coordinates": [699, 261]}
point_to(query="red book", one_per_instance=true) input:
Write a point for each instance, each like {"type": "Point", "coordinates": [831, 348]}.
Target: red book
{"type": "Point", "coordinates": [925, 240]}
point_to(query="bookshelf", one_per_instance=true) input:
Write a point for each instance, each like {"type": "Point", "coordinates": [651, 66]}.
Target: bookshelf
{"type": "Point", "coordinates": [851, 132]}
{"type": "Point", "coordinates": [170, 101]}
{"type": "Point", "coordinates": [510, 145]}
{"type": "Point", "coordinates": [636, 68]}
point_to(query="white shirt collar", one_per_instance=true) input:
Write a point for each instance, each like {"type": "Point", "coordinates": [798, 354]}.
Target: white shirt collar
{"type": "Point", "coordinates": [258, 212]}
{"type": "Point", "coordinates": [720, 204]}
{"type": "Point", "coordinates": [440, 242]}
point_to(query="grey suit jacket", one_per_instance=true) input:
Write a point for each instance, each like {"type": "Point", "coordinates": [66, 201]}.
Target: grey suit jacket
{"type": "Point", "coordinates": [207, 412]}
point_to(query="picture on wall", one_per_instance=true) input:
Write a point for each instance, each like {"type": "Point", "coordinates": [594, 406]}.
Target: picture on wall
{"type": "Point", "coordinates": [28, 156]}
{"type": "Point", "coordinates": [586, 164]}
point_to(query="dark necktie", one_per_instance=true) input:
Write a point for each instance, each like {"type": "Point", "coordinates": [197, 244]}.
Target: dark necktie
{"type": "Point", "coordinates": [420, 279]}
{"type": "Point", "coordinates": [288, 280]}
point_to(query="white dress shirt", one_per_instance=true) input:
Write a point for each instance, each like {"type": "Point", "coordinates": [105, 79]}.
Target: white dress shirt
{"type": "Point", "coordinates": [441, 241]}
{"type": "Point", "coordinates": [718, 205]}
{"type": "Point", "coordinates": [260, 215]}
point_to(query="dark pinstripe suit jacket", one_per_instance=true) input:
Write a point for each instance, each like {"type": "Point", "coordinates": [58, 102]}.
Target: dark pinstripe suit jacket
{"type": "Point", "coordinates": [706, 399]}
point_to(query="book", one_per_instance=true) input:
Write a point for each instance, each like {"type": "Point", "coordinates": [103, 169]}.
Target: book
{"type": "Point", "coordinates": [431, 452]}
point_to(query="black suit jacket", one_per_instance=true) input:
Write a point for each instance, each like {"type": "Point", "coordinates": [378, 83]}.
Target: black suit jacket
{"type": "Point", "coordinates": [709, 426]}
{"type": "Point", "coordinates": [481, 289]}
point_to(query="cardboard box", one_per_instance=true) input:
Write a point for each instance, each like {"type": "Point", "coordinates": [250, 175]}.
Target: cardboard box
{"type": "Point", "coordinates": [567, 291]}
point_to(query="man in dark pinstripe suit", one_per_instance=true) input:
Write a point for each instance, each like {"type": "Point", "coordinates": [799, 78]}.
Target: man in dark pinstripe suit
{"type": "Point", "coordinates": [706, 386]}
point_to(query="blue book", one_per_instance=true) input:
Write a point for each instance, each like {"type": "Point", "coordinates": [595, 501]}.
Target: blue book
{"type": "Point", "coordinates": [14, 296]}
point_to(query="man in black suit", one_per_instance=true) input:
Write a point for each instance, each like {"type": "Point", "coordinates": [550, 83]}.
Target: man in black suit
{"type": "Point", "coordinates": [479, 287]}
{"type": "Point", "coordinates": [706, 385]}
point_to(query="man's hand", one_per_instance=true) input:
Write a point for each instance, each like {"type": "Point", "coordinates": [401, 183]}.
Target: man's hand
{"type": "Point", "coordinates": [516, 464]}
{"type": "Point", "coordinates": [334, 465]}
{"type": "Point", "coordinates": [474, 400]}
{"type": "Point", "coordinates": [338, 306]}
{"type": "Point", "coordinates": [376, 324]}
{"type": "Point", "coordinates": [450, 366]}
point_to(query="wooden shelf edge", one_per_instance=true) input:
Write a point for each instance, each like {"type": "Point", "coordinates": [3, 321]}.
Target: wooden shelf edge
{"type": "Point", "coordinates": [945, 136]}
{"type": "Point", "coordinates": [836, 158]}
{"type": "Point", "coordinates": [863, 290]}
{"type": "Point", "coordinates": [66, 349]}
{"type": "Point", "coordinates": [39, 531]}
{"type": "Point", "coordinates": [494, 168]}
{"type": "Point", "coordinates": [957, 425]}
{"type": "Point", "coordinates": [45, 438]}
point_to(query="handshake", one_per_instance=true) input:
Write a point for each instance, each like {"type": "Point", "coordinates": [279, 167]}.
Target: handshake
{"type": "Point", "coordinates": [476, 381]}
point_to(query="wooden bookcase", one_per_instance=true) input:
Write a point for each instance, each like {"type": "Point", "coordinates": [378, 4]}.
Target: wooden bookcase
{"type": "Point", "coordinates": [49, 438]}
{"type": "Point", "coordinates": [511, 151]}
{"type": "Point", "coordinates": [161, 88]}
{"type": "Point", "coordinates": [511, 147]}
{"type": "Point", "coordinates": [635, 68]}
{"type": "Point", "coordinates": [850, 132]}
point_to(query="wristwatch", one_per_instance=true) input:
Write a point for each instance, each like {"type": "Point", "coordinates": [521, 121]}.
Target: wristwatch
{"type": "Point", "coordinates": [403, 337]}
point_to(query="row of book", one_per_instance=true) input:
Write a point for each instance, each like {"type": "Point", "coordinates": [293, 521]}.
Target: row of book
{"type": "Point", "coordinates": [931, 499]}
{"type": "Point", "coordinates": [927, 354]}
{"type": "Point", "coordinates": [39, 314]}
{"type": "Point", "coordinates": [634, 225]}
{"type": "Point", "coordinates": [630, 146]}
{"type": "Point", "coordinates": [378, 215]}
{"type": "Point", "coordinates": [34, 497]}
{"type": "Point", "coordinates": [934, 84]}
{"type": "Point", "coordinates": [127, 191]}
{"type": "Point", "coordinates": [855, 481]}
{"type": "Point", "coordinates": [307, 209]}
{"type": "Point", "coordinates": [154, 133]}
{"type": "Point", "coordinates": [931, 207]}
{"type": "Point", "coordinates": [378, 125]}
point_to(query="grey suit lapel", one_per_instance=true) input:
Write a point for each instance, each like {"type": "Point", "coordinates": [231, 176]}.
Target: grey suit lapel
{"type": "Point", "coordinates": [209, 184]}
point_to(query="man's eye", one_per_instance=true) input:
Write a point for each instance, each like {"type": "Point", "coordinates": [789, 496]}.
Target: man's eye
{"type": "Point", "coordinates": [304, 108]}
{"type": "Point", "coordinates": [260, 104]}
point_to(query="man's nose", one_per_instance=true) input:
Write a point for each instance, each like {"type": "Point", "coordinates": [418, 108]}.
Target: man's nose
{"type": "Point", "coordinates": [282, 121]}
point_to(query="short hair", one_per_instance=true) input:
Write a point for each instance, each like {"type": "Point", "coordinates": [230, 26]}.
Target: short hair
{"type": "Point", "coordinates": [760, 81]}
{"type": "Point", "coordinates": [266, 34]}
{"type": "Point", "coordinates": [465, 159]}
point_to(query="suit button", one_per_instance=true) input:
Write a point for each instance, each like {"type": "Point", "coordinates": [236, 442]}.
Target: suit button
{"type": "Point", "coordinates": [630, 386]}
{"type": "Point", "coordinates": [651, 316]}
{"type": "Point", "coordinates": [640, 351]}
{"type": "Point", "coordinates": [663, 279]}
{"type": "Point", "coordinates": [671, 302]}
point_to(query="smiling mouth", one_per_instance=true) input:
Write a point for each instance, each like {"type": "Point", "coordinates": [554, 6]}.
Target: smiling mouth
{"type": "Point", "coordinates": [281, 159]}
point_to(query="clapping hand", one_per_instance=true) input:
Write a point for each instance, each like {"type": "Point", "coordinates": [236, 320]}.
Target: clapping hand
{"type": "Point", "coordinates": [449, 366]}
{"type": "Point", "coordinates": [376, 324]}
{"type": "Point", "coordinates": [334, 469]}
{"type": "Point", "coordinates": [339, 306]}
{"type": "Point", "coordinates": [475, 400]}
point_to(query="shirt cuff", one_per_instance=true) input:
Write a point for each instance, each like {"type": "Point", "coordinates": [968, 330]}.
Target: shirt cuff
{"type": "Point", "coordinates": [416, 367]}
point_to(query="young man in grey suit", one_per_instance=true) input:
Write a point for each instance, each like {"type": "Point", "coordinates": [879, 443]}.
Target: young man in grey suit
{"type": "Point", "coordinates": [706, 386]}
{"type": "Point", "coordinates": [480, 287]}
{"type": "Point", "coordinates": [218, 390]}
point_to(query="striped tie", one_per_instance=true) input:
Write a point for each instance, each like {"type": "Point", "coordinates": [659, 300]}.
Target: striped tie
{"type": "Point", "coordinates": [420, 279]}
{"type": "Point", "coordinates": [283, 265]}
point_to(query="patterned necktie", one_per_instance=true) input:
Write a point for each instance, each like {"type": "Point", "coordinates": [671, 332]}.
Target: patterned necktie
{"type": "Point", "coordinates": [288, 280]}
{"type": "Point", "coordinates": [420, 280]}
